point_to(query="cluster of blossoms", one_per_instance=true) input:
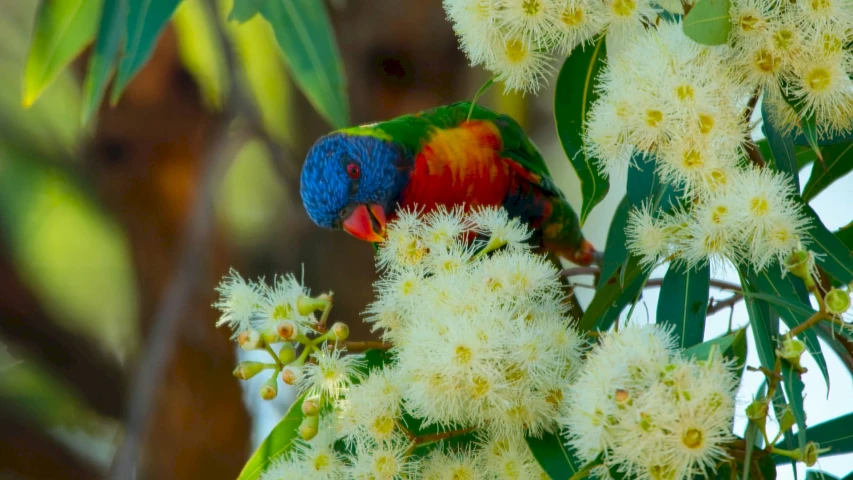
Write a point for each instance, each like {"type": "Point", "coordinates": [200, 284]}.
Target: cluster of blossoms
{"type": "Point", "coordinates": [673, 101]}
{"type": "Point", "coordinates": [515, 38]}
{"type": "Point", "coordinates": [799, 52]}
{"type": "Point", "coordinates": [482, 354]}
{"type": "Point", "coordinates": [647, 411]}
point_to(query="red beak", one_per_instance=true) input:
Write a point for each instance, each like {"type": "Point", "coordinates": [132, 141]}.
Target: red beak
{"type": "Point", "coordinates": [366, 222]}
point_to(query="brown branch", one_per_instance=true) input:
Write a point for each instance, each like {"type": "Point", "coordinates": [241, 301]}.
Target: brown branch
{"type": "Point", "coordinates": [173, 306]}
{"type": "Point", "coordinates": [721, 284]}
{"type": "Point", "coordinates": [571, 272]}
{"type": "Point", "coordinates": [366, 345]}
{"type": "Point", "coordinates": [717, 306]}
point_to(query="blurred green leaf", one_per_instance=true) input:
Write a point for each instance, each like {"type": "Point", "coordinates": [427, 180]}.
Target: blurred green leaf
{"type": "Point", "coordinates": [264, 73]}
{"type": "Point", "coordinates": [553, 456]}
{"type": "Point", "coordinates": [616, 247]}
{"type": "Point", "coordinates": [145, 21]}
{"type": "Point", "coordinates": [782, 148]}
{"type": "Point", "coordinates": [244, 10]}
{"type": "Point", "coordinates": [765, 326]}
{"type": "Point", "coordinates": [63, 28]}
{"type": "Point", "coordinates": [107, 46]}
{"type": "Point", "coordinates": [574, 95]}
{"type": "Point", "coordinates": [73, 258]}
{"type": "Point", "coordinates": [749, 441]}
{"type": "Point", "coordinates": [809, 125]}
{"type": "Point", "coordinates": [837, 162]}
{"type": "Point", "coordinates": [201, 49]}
{"type": "Point", "coordinates": [277, 443]}
{"type": "Point", "coordinates": [643, 182]}
{"type": "Point", "coordinates": [684, 301]}
{"type": "Point", "coordinates": [835, 433]}
{"type": "Point", "coordinates": [306, 38]}
{"type": "Point", "coordinates": [833, 256]}
{"type": "Point", "coordinates": [767, 467]}
{"type": "Point", "coordinates": [708, 22]}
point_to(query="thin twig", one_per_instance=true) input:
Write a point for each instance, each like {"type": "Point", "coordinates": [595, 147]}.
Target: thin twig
{"type": "Point", "coordinates": [571, 272]}
{"type": "Point", "coordinates": [717, 306]}
{"type": "Point", "coordinates": [751, 148]}
{"type": "Point", "coordinates": [362, 346]}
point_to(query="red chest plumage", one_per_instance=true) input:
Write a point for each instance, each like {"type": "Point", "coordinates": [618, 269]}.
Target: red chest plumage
{"type": "Point", "coordinates": [460, 165]}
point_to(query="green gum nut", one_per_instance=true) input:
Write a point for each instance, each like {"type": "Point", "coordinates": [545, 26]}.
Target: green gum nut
{"type": "Point", "coordinates": [792, 350]}
{"type": "Point", "coordinates": [800, 264]}
{"type": "Point", "coordinates": [786, 420]}
{"type": "Point", "coordinates": [309, 426]}
{"type": "Point", "coordinates": [837, 301]}
{"type": "Point", "coordinates": [757, 412]}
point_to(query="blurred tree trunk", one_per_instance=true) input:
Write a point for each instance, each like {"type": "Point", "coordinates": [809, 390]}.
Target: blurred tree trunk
{"type": "Point", "coordinates": [148, 153]}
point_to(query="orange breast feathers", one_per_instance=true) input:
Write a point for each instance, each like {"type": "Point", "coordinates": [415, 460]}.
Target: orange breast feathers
{"type": "Point", "coordinates": [460, 165]}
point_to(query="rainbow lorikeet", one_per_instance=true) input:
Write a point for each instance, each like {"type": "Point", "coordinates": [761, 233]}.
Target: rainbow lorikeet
{"type": "Point", "coordinates": [357, 178]}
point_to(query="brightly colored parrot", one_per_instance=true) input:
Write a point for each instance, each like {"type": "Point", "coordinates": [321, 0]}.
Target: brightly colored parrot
{"type": "Point", "coordinates": [357, 178]}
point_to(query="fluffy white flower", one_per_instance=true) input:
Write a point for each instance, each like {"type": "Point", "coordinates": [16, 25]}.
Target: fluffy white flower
{"type": "Point", "coordinates": [476, 23]}
{"type": "Point", "coordinates": [461, 464]}
{"type": "Point", "coordinates": [577, 21]}
{"type": "Point", "coordinates": [371, 409]}
{"type": "Point", "coordinates": [648, 410]}
{"type": "Point", "coordinates": [312, 460]}
{"type": "Point", "coordinates": [238, 301]}
{"type": "Point", "coordinates": [495, 224]}
{"type": "Point", "coordinates": [382, 461]}
{"type": "Point", "coordinates": [278, 304]}
{"type": "Point", "coordinates": [518, 64]}
{"type": "Point", "coordinates": [331, 373]}
{"type": "Point", "coordinates": [529, 19]}
{"type": "Point", "coordinates": [648, 237]}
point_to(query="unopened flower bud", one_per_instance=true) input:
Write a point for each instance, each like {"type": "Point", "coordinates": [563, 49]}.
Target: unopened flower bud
{"type": "Point", "coordinates": [250, 340]}
{"type": "Point", "coordinates": [287, 330]}
{"type": "Point", "coordinates": [756, 412]}
{"type": "Point", "coordinates": [291, 374]}
{"type": "Point", "coordinates": [311, 407]}
{"type": "Point", "coordinates": [792, 350]}
{"type": "Point", "coordinates": [837, 301]}
{"type": "Point", "coordinates": [622, 397]}
{"type": "Point", "coordinates": [308, 305]}
{"type": "Point", "coordinates": [269, 389]}
{"type": "Point", "coordinates": [801, 264]}
{"type": "Point", "coordinates": [786, 419]}
{"type": "Point", "coordinates": [287, 353]}
{"type": "Point", "coordinates": [341, 331]}
{"type": "Point", "coordinates": [247, 370]}
{"type": "Point", "coordinates": [308, 427]}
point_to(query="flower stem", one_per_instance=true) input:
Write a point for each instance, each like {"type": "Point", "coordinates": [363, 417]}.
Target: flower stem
{"type": "Point", "coordinates": [362, 346]}
{"type": "Point", "coordinates": [274, 356]}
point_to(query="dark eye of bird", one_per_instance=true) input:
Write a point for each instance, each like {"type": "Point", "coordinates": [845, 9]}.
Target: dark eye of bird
{"type": "Point", "coordinates": [353, 170]}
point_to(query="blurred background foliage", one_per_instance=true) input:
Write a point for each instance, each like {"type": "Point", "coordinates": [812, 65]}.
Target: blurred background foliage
{"type": "Point", "coordinates": [96, 198]}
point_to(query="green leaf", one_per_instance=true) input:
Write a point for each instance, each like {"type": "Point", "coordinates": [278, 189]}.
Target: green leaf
{"type": "Point", "coordinates": [708, 22]}
{"type": "Point", "coordinates": [277, 443]}
{"type": "Point", "coordinates": [145, 21]}
{"type": "Point", "coordinates": [845, 235]}
{"type": "Point", "coordinates": [575, 94]}
{"type": "Point", "coordinates": [833, 256]}
{"type": "Point", "coordinates": [616, 248]}
{"type": "Point", "coordinates": [837, 162]}
{"type": "Point", "coordinates": [793, 386]}
{"type": "Point", "coordinates": [110, 33]}
{"type": "Point", "coordinates": [751, 435]}
{"type": "Point", "coordinates": [553, 456]}
{"type": "Point", "coordinates": [643, 183]}
{"type": "Point", "coordinates": [767, 467]}
{"type": "Point", "coordinates": [623, 287]}
{"type": "Point", "coordinates": [683, 302]}
{"type": "Point", "coordinates": [779, 405]}
{"type": "Point", "coordinates": [62, 29]}
{"type": "Point", "coordinates": [765, 326]}
{"type": "Point", "coordinates": [818, 475]}
{"type": "Point", "coordinates": [200, 49]}
{"type": "Point", "coordinates": [836, 434]}
{"type": "Point", "coordinates": [782, 148]}
{"type": "Point", "coordinates": [244, 10]}
{"type": "Point", "coordinates": [809, 125]}
{"type": "Point", "coordinates": [266, 76]}
{"type": "Point", "coordinates": [732, 345]}
{"type": "Point", "coordinates": [304, 34]}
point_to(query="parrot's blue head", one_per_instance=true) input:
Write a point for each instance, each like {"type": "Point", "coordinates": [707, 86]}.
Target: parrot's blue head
{"type": "Point", "coordinates": [351, 180]}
